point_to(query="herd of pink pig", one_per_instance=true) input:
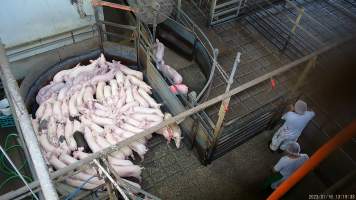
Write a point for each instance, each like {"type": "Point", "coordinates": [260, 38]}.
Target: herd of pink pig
{"type": "Point", "coordinates": [104, 102]}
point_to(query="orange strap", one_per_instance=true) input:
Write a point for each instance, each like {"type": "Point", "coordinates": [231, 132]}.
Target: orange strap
{"type": "Point", "coordinates": [226, 107]}
{"type": "Point", "coordinates": [112, 5]}
{"type": "Point", "coordinates": [343, 136]}
{"type": "Point", "coordinates": [273, 83]}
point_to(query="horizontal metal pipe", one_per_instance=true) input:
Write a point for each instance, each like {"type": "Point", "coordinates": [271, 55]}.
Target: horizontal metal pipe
{"type": "Point", "coordinates": [178, 117]}
{"type": "Point", "coordinates": [123, 26]}
{"type": "Point", "coordinates": [9, 48]}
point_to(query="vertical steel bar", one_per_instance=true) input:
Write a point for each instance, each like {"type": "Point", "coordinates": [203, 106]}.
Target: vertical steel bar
{"type": "Point", "coordinates": [215, 61]}
{"type": "Point", "coordinates": [294, 28]}
{"type": "Point", "coordinates": [99, 16]}
{"type": "Point", "coordinates": [179, 6]}
{"type": "Point", "coordinates": [26, 128]}
{"type": "Point", "coordinates": [234, 68]}
{"type": "Point", "coordinates": [238, 8]}
{"type": "Point", "coordinates": [311, 17]}
{"type": "Point", "coordinates": [154, 27]}
{"type": "Point", "coordinates": [96, 162]}
{"type": "Point", "coordinates": [138, 38]}
{"type": "Point", "coordinates": [224, 105]}
{"type": "Point", "coordinates": [23, 144]}
{"type": "Point", "coordinates": [212, 11]}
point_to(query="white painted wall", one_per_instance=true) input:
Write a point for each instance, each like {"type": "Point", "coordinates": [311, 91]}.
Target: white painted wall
{"type": "Point", "coordinates": [31, 27]}
{"type": "Point", "coordinates": [23, 21]}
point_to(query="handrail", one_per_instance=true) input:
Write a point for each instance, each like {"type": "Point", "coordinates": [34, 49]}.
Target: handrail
{"type": "Point", "coordinates": [209, 49]}
{"type": "Point", "coordinates": [343, 136]}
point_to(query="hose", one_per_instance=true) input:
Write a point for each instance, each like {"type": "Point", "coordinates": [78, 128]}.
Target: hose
{"type": "Point", "coordinates": [77, 190]}
{"type": "Point", "coordinates": [12, 178]}
{"type": "Point", "coordinates": [9, 172]}
{"type": "Point", "coordinates": [3, 167]}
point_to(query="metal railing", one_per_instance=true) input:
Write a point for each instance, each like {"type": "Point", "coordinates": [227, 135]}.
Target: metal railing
{"type": "Point", "coordinates": [82, 164]}
{"type": "Point", "coordinates": [224, 11]}
{"type": "Point", "coordinates": [291, 27]}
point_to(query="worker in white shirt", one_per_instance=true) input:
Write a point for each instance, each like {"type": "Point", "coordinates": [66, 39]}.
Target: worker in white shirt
{"type": "Point", "coordinates": [288, 164]}
{"type": "Point", "coordinates": [295, 121]}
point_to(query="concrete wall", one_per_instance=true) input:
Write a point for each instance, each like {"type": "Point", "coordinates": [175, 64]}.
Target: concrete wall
{"type": "Point", "coordinates": [22, 21]}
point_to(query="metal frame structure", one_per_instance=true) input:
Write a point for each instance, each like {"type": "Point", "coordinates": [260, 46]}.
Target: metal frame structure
{"type": "Point", "coordinates": [83, 164]}
{"type": "Point", "coordinates": [44, 181]}
{"type": "Point", "coordinates": [224, 11]}
{"type": "Point", "coordinates": [294, 31]}
{"type": "Point", "coordinates": [291, 28]}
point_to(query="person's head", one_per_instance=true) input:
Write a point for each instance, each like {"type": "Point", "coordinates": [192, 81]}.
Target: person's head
{"type": "Point", "coordinates": [293, 149]}
{"type": "Point", "coordinates": [300, 107]}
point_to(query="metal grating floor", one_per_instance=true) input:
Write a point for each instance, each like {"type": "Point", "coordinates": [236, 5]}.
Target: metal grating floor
{"type": "Point", "coordinates": [258, 54]}
{"type": "Point", "coordinates": [322, 22]}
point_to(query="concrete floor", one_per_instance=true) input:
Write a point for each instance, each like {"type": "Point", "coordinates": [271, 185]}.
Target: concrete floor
{"type": "Point", "coordinates": [239, 174]}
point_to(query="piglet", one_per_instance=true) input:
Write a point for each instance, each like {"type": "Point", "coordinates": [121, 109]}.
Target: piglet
{"type": "Point", "coordinates": [179, 89]}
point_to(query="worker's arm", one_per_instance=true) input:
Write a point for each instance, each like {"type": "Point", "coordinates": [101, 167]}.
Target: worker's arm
{"type": "Point", "coordinates": [286, 115]}
{"type": "Point", "coordinates": [280, 164]}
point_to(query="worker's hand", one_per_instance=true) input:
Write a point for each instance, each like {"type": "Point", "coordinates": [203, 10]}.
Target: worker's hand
{"type": "Point", "coordinates": [273, 170]}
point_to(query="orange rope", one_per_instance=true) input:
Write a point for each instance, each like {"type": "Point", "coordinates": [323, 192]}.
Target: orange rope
{"type": "Point", "coordinates": [343, 136]}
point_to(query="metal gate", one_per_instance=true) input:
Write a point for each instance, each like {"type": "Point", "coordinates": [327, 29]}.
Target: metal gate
{"type": "Point", "coordinates": [224, 10]}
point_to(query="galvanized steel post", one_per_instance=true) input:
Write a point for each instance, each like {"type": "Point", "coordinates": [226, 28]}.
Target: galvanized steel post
{"type": "Point", "coordinates": [25, 126]}
{"type": "Point", "coordinates": [224, 107]}
{"type": "Point", "coordinates": [212, 11]}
